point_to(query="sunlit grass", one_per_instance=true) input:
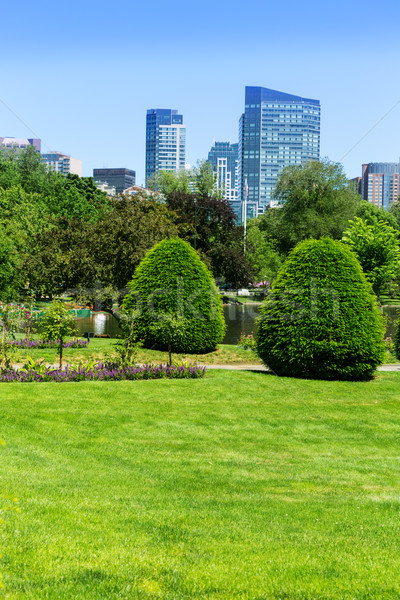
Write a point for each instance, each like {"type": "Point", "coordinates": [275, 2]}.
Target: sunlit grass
{"type": "Point", "coordinates": [241, 485]}
{"type": "Point", "coordinates": [100, 348]}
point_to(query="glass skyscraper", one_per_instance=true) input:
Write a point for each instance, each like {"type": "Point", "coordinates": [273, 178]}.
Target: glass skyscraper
{"type": "Point", "coordinates": [223, 157]}
{"type": "Point", "coordinates": [276, 130]}
{"type": "Point", "coordinates": [165, 141]}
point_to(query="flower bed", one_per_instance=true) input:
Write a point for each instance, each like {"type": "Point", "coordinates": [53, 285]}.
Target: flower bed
{"type": "Point", "coordinates": [40, 344]}
{"type": "Point", "coordinates": [102, 372]}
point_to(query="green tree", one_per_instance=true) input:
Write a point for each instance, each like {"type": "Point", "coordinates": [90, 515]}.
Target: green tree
{"type": "Point", "coordinates": [61, 257]}
{"type": "Point", "coordinates": [321, 319]}
{"type": "Point", "coordinates": [72, 196]}
{"type": "Point", "coordinates": [261, 253]}
{"type": "Point", "coordinates": [376, 246]}
{"type": "Point", "coordinates": [371, 214]}
{"type": "Point", "coordinates": [58, 323]}
{"type": "Point", "coordinates": [78, 254]}
{"type": "Point", "coordinates": [394, 210]}
{"type": "Point", "coordinates": [169, 182]}
{"type": "Point", "coordinates": [316, 200]}
{"type": "Point", "coordinates": [205, 181]}
{"type": "Point", "coordinates": [10, 275]}
{"type": "Point", "coordinates": [172, 282]}
{"type": "Point", "coordinates": [201, 180]}
{"type": "Point", "coordinates": [206, 220]}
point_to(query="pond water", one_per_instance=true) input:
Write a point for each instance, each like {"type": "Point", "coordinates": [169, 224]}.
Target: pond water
{"type": "Point", "coordinates": [239, 318]}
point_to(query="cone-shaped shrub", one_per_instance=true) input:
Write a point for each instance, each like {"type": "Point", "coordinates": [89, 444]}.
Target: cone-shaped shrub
{"type": "Point", "coordinates": [172, 285]}
{"type": "Point", "coordinates": [321, 319]}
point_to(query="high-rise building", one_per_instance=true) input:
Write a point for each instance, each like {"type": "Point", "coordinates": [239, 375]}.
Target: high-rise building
{"type": "Point", "coordinates": [165, 141]}
{"type": "Point", "coordinates": [20, 143]}
{"type": "Point", "coordinates": [380, 183]}
{"type": "Point", "coordinates": [276, 130]}
{"type": "Point", "coordinates": [121, 179]}
{"type": "Point", "coordinates": [223, 157]}
{"type": "Point", "coordinates": [62, 163]}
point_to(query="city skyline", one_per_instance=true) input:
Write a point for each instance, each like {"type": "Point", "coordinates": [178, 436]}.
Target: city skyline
{"type": "Point", "coordinates": [85, 106]}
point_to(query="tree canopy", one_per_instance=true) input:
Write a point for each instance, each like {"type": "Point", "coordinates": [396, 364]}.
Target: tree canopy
{"type": "Point", "coordinates": [376, 245]}
{"type": "Point", "coordinates": [316, 200]}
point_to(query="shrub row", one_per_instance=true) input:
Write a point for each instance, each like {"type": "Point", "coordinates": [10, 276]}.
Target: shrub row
{"type": "Point", "coordinates": [101, 372]}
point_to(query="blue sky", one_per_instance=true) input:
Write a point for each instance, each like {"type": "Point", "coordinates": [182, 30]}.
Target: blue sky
{"type": "Point", "coordinates": [82, 74]}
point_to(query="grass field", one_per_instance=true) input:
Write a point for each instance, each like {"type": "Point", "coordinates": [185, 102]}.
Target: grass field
{"type": "Point", "coordinates": [238, 486]}
{"type": "Point", "coordinates": [99, 348]}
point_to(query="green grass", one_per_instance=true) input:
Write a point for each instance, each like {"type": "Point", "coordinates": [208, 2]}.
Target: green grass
{"type": "Point", "coordinates": [98, 349]}
{"type": "Point", "coordinates": [238, 486]}
{"type": "Point", "coordinates": [388, 300]}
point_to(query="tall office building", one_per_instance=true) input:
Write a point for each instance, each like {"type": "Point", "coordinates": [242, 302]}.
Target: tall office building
{"type": "Point", "coordinates": [223, 157]}
{"type": "Point", "coordinates": [62, 163]}
{"type": "Point", "coordinates": [276, 130]}
{"type": "Point", "coordinates": [165, 141]}
{"type": "Point", "coordinates": [380, 183]}
{"type": "Point", "coordinates": [121, 179]}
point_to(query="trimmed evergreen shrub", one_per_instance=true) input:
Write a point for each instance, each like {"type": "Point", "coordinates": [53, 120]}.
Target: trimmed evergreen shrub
{"type": "Point", "coordinates": [321, 319]}
{"type": "Point", "coordinates": [172, 282]}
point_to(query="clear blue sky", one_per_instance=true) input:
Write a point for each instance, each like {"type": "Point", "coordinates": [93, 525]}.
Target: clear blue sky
{"type": "Point", "coordinates": [82, 74]}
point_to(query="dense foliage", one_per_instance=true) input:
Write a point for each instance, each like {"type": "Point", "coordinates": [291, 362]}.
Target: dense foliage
{"type": "Point", "coordinates": [31, 199]}
{"type": "Point", "coordinates": [314, 200]}
{"type": "Point", "coordinates": [376, 245]}
{"type": "Point", "coordinates": [207, 221]}
{"type": "Point", "coordinates": [396, 339]}
{"type": "Point", "coordinates": [321, 318]}
{"type": "Point", "coordinates": [61, 233]}
{"type": "Point", "coordinates": [78, 254]}
{"type": "Point", "coordinates": [172, 281]}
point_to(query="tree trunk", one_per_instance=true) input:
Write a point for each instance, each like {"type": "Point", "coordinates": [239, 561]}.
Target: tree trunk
{"type": "Point", "coordinates": [61, 352]}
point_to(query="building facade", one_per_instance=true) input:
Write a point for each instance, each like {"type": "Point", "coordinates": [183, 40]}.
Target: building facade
{"type": "Point", "coordinates": [276, 130]}
{"type": "Point", "coordinates": [107, 189]}
{"type": "Point", "coordinates": [20, 143]}
{"type": "Point", "coordinates": [165, 141]}
{"type": "Point", "coordinates": [380, 183]}
{"type": "Point", "coordinates": [121, 179]}
{"type": "Point", "coordinates": [62, 163]}
{"type": "Point", "coordinates": [223, 158]}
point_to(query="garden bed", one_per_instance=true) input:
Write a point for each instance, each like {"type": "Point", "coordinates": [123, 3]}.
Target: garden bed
{"type": "Point", "coordinates": [103, 372]}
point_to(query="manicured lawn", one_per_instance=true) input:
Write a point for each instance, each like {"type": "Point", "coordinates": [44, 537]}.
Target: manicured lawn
{"type": "Point", "coordinates": [99, 348]}
{"type": "Point", "coordinates": [238, 486]}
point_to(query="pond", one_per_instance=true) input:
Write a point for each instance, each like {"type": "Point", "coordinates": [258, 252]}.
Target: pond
{"type": "Point", "coordinates": [239, 318]}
